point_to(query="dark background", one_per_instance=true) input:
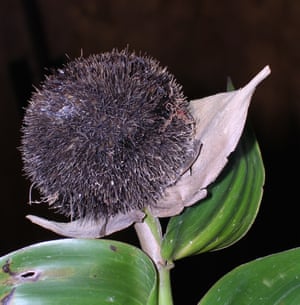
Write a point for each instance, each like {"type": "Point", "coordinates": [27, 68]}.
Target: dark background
{"type": "Point", "coordinates": [202, 42]}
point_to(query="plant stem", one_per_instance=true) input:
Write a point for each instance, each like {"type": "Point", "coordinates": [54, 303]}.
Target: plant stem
{"type": "Point", "coordinates": [150, 237]}
{"type": "Point", "coordinates": [165, 291]}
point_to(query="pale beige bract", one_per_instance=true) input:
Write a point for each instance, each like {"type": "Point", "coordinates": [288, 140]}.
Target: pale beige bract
{"type": "Point", "coordinates": [220, 120]}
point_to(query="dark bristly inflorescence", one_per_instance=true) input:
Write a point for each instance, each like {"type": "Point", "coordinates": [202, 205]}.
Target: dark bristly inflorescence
{"type": "Point", "coordinates": [106, 134]}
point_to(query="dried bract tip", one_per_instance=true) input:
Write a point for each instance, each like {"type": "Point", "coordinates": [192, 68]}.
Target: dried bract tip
{"type": "Point", "coordinates": [107, 135]}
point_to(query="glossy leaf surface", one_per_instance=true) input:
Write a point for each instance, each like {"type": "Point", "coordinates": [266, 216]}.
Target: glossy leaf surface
{"type": "Point", "coordinates": [227, 214]}
{"type": "Point", "coordinates": [271, 280]}
{"type": "Point", "coordinates": [74, 271]}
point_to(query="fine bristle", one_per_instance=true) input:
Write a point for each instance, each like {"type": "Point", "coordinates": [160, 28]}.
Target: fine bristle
{"type": "Point", "coordinates": [106, 134]}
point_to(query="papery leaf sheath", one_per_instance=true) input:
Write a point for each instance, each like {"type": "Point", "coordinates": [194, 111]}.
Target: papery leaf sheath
{"type": "Point", "coordinates": [227, 213]}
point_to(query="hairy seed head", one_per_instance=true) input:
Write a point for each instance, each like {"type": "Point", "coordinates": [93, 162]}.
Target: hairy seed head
{"type": "Point", "coordinates": [106, 134]}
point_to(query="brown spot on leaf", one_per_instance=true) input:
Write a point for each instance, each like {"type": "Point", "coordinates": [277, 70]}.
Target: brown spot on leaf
{"type": "Point", "coordinates": [6, 268]}
{"type": "Point", "coordinates": [113, 248]}
{"type": "Point", "coordinates": [6, 300]}
{"type": "Point", "coordinates": [29, 275]}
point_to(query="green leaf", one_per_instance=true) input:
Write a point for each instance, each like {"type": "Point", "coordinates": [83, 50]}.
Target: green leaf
{"type": "Point", "coordinates": [274, 279]}
{"type": "Point", "coordinates": [227, 214]}
{"type": "Point", "coordinates": [78, 271]}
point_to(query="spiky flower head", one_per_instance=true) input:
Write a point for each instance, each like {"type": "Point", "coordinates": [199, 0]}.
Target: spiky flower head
{"type": "Point", "coordinates": [106, 135]}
